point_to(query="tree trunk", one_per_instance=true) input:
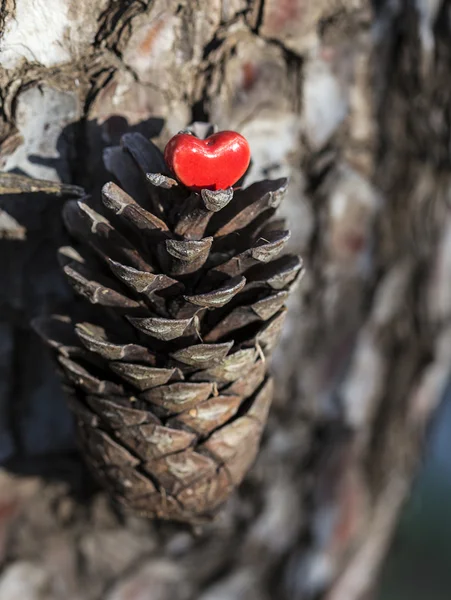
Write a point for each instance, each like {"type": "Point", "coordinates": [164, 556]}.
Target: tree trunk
{"type": "Point", "coordinates": [352, 101]}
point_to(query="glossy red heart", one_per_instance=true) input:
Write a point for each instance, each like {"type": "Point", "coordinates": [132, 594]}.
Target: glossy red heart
{"type": "Point", "coordinates": [215, 163]}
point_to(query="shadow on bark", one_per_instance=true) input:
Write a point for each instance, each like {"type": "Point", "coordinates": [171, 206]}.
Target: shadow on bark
{"type": "Point", "coordinates": [36, 432]}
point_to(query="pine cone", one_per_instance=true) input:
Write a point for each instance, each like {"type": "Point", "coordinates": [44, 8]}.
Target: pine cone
{"type": "Point", "coordinates": [167, 378]}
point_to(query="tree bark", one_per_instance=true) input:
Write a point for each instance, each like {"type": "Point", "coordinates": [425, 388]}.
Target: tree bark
{"type": "Point", "coordinates": [352, 101]}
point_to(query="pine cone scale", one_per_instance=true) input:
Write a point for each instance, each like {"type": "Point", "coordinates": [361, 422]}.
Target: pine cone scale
{"type": "Point", "coordinates": [208, 415]}
{"type": "Point", "coordinates": [149, 441]}
{"type": "Point", "coordinates": [203, 355]}
{"type": "Point", "coordinates": [177, 397]}
{"type": "Point", "coordinates": [140, 376]}
{"type": "Point", "coordinates": [96, 341]}
{"type": "Point", "coordinates": [118, 416]}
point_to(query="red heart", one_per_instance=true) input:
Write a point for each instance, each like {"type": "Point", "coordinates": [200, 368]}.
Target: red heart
{"type": "Point", "coordinates": [215, 163]}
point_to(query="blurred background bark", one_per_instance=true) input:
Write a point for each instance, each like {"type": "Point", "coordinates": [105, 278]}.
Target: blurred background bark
{"type": "Point", "coordinates": [349, 98]}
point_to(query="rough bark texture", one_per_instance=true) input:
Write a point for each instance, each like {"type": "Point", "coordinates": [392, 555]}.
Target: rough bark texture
{"type": "Point", "coordinates": [352, 101]}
